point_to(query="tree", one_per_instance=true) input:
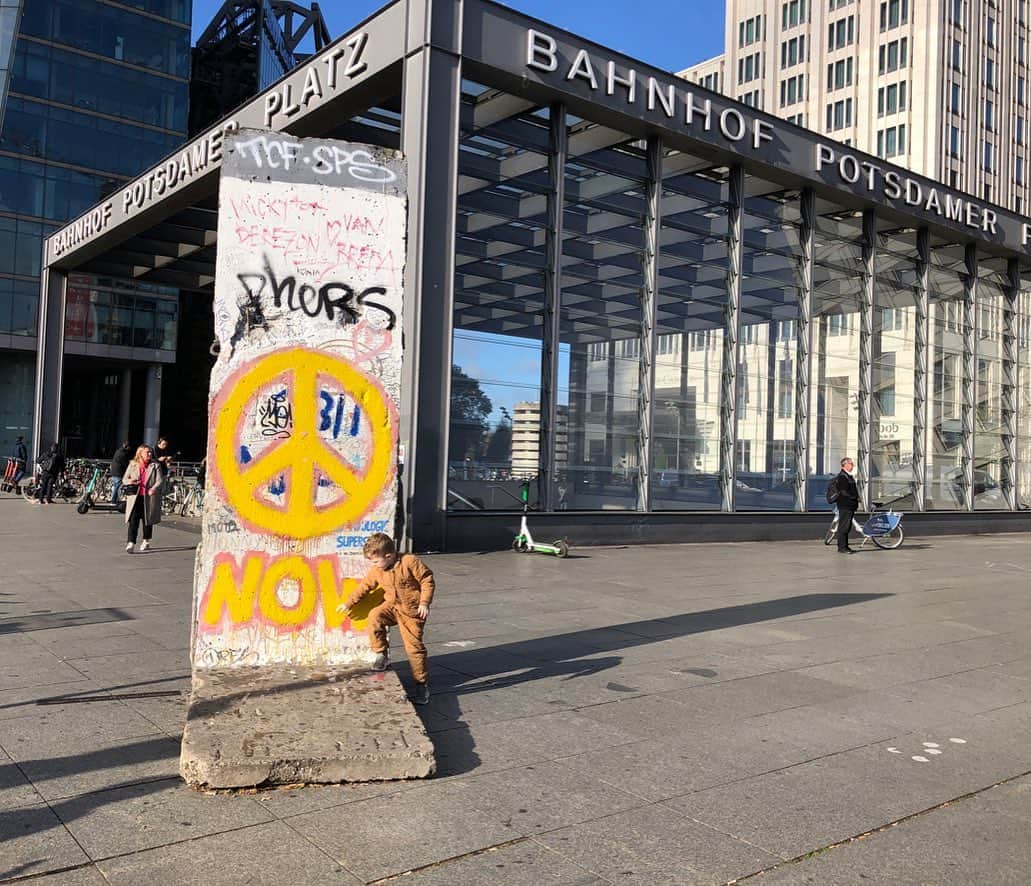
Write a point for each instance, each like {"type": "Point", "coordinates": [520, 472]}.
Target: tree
{"type": "Point", "coordinates": [499, 447]}
{"type": "Point", "coordinates": [469, 410]}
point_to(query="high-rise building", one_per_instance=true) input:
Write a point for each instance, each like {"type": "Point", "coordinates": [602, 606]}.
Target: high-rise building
{"type": "Point", "coordinates": [97, 92]}
{"type": "Point", "coordinates": [937, 86]}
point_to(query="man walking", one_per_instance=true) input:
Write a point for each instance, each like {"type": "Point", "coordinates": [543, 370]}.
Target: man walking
{"type": "Point", "coordinates": [119, 463]}
{"type": "Point", "coordinates": [847, 503]}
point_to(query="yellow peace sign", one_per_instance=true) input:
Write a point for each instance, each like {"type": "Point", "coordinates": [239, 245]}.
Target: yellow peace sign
{"type": "Point", "coordinates": [305, 449]}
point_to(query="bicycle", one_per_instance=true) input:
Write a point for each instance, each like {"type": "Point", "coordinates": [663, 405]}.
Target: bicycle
{"type": "Point", "coordinates": [883, 528]}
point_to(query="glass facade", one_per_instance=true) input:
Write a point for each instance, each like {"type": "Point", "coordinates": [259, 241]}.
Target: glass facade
{"type": "Point", "coordinates": [97, 92]}
{"type": "Point", "coordinates": [716, 345]}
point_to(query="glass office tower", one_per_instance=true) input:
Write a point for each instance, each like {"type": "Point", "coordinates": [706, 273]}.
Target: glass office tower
{"type": "Point", "coordinates": [97, 92]}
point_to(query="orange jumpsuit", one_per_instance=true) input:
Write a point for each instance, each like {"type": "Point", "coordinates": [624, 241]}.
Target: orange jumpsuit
{"type": "Point", "coordinates": [407, 585]}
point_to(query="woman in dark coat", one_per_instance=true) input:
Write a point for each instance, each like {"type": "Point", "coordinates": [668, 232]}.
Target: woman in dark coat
{"type": "Point", "coordinates": [144, 505]}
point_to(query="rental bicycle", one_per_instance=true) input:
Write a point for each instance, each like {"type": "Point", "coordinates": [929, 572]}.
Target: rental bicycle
{"type": "Point", "coordinates": [883, 528]}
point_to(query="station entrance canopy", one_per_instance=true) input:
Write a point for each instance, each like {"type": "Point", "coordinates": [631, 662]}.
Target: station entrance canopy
{"type": "Point", "coordinates": [507, 124]}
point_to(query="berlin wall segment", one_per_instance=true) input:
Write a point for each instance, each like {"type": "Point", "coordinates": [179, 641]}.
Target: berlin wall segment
{"type": "Point", "coordinates": [302, 446]}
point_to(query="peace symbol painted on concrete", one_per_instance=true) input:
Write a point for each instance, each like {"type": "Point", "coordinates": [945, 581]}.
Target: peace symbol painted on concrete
{"type": "Point", "coordinates": [305, 452]}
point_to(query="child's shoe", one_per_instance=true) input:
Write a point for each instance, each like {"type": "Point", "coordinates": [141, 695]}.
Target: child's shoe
{"type": "Point", "coordinates": [128, 547]}
{"type": "Point", "coordinates": [422, 693]}
{"type": "Point", "coordinates": [381, 662]}
{"type": "Point", "coordinates": [145, 546]}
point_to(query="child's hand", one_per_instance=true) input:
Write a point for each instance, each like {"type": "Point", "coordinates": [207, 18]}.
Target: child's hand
{"type": "Point", "coordinates": [424, 611]}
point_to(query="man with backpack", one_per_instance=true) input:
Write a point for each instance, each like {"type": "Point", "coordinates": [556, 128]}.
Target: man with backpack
{"type": "Point", "coordinates": [844, 494]}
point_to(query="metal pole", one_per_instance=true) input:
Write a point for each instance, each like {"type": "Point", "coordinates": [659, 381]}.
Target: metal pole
{"type": "Point", "coordinates": [731, 321]}
{"type": "Point", "coordinates": [1010, 309]}
{"type": "Point", "coordinates": [804, 348]}
{"type": "Point", "coordinates": [921, 378]}
{"type": "Point", "coordinates": [559, 148]}
{"type": "Point", "coordinates": [969, 373]}
{"type": "Point", "coordinates": [649, 301]}
{"type": "Point", "coordinates": [430, 107]}
{"type": "Point", "coordinates": [866, 356]}
{"type": "Point", "coordinates": [46, 408]}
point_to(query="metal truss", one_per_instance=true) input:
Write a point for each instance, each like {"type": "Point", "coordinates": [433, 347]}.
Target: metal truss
{"type": "Point", "coordinates": [921, 379]}
{"type": "Point", "coordinates": [866, 356]}
{"type": "Point", "coordinates": [731, 319]}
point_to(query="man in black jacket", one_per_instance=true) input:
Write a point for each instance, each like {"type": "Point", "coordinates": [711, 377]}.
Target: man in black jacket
{"type": "Point", "coordinates": [119, 463]}
{"type": "Point", "coordinates": [847, 503]}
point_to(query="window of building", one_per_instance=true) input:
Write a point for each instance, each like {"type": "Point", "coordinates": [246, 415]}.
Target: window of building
{"type": "Point", "coordinates": [838, 4]}
{"type": "Point", "coordinates": [957, 11]}
{"type": "Point", "coordinates": [892, 56]}
{"type": "Point", "coordinates": [894, 13]}
{"type": "Point", "coordinates": [841, 33]}
{"type": "Point", "coordinates": [1018, 170]}
{"type": "Point", "coordinates": [989, 73]}
{"type": "Point", "coordinates": [792, 51]}
{"type": "Point", "coordinates": [891, 99]}
{"type": "Point", "coordinates": [1020, 130]}
{"type": "Point", "coordinates": [839, 74]}
{"type": "Point", "coordinates": [1021, 11]}
{"type": "Point", "coordinates": [785, 388]}
{"type": "Point", "coordinates": [1021, 50]}
{"type": "Point", "coordinates": [988, 156]}
{"type": "Point", "coordinates": [891, 142]}
{"type": "Point", "coordinates": [990, 31]}
{"type": "Point", "coordinates": [989, 115]}
{"type": "Point", "coordinates": [1020, 90]}
{"type": "Point", "coordinates": [884, 384]}
{"type": "Point", "coordinates": [957, 55]}
{"type": "Point", "coordinates": [957, 99]}
{"type": "Point", "coordinates": [839, 115]}
{"type": "Point", "coordinates": [792, 13]}
{"type": "Point", "coordinates": [954, 142]}
{"type": "Point", "coordinates": [743, 456]}
{"type": "Point", "coordinates": [838, 324]}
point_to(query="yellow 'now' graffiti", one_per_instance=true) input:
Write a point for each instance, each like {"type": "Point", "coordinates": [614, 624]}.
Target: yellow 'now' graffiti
{"type": "Point", "coordinates": [249, 592]}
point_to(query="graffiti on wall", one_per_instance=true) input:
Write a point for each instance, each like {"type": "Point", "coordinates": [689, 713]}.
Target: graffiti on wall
{"type": "Point", "coordinates": [303, 428]}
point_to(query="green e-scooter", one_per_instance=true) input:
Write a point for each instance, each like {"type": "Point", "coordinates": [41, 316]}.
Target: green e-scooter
{"type": "Point", "coordinates": [523, 543]}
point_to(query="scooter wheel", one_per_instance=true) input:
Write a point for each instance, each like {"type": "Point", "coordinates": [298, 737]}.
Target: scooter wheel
{"type": "Point", "coordinates": [519, 546]}
{"type": "Point", "coordinates": [82, 507]}
{"type": "Point", "coordinates": [561, 548]}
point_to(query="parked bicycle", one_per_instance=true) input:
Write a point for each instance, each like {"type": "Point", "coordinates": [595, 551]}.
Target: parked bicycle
{"type": "Point", "coordinates": [69, 486]}
{"type": "Point", "coordinates": [883, 528]}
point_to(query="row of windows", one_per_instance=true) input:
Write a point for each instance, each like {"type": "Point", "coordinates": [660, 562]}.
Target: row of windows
{"type": "Point", "coordinates": [70, 137]}
{"type": "Point", "coordinates": [841, 33]}
{"type": "Point", "coordinates": [792, 13]}
{"type": "Point", "coordinates": [711, 81]}
{"type": "Point", "coordinates": [750, 31]}
{"type": "Point", "coordinates": [798, 119]}
{"type": "Point", "coordinates": [750, 68]}
{"type": "Point", "coordinates": [72, 79]}
{"type": "Point", "coordinates": [28, 187]}
{"type": "Point", "coordinates": [792, 51]}
{"type": "Point", "coordinates": [838, 4]}
{"type": "Point", "coordinates": [792, 90]}
{"type": "Point", "coordinates": [893, 14]}
{"type": "Point", "coordinates": [111, 32]}
{"type": "Point", "coordinates": [891, 142]}
{"type": "Point", "coordinates": [752, 99]}
{"type": "Point", "coordinates": [892, 56]}
{"type": "Point", "coordinates": [891, 99]}
{"type": "Point", "coordinates": [839, 74]}
{"type": "Point", "coordinates": [839, 115]}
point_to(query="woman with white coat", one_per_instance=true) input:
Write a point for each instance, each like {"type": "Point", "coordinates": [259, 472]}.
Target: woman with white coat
{"type": "Point", "coordinates": [142, 484]}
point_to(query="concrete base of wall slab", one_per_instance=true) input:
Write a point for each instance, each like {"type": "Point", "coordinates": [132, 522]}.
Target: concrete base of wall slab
{"type": "Point", "coordinates": [283, 724]}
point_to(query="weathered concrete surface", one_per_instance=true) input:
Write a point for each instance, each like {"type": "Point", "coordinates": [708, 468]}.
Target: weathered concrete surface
{"type": "Point", "coordinates": [289, 725]}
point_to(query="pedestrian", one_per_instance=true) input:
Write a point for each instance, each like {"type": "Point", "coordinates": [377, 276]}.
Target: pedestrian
{"type": "Point", "coordinates": [163, 457]}
{"type": "Point", "coordinates": [408, 587]}
{"type": "Point", "coordinates": [119, 464]}
{"type": "Point", "coordinates": [142, 485]}
{"type": "Point", "coordinates": [21, 458]}
{"type": "Point", "coordinates": [847, 502]}
{"type": "Point", "coordinates": [51, 464]}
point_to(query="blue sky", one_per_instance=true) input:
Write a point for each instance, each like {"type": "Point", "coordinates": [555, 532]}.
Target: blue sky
{"type": "Point", "coordinates": [670, 34]}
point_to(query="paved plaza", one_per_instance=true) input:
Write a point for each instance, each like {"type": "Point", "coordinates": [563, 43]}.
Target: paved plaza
{"type": "Point", "coordinates": [640, 715]}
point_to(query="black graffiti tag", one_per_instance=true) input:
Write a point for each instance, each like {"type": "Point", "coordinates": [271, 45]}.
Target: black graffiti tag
{"type": "Point", "coordinates": [337, 301]}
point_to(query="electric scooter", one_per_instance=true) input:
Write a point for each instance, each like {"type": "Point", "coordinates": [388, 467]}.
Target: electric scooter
{"type": "Point", "coordinates": [88, 497]}
{"type": "Point", "coordinates": [523, 542]}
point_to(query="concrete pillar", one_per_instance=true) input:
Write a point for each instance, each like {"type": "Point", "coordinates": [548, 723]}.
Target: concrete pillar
{"type": "Point", "coordinates": [124, 407]}
{"type": "Point", "coordinates": [46, 407]}
{"type": "Point", "coordinates": [152, 406]}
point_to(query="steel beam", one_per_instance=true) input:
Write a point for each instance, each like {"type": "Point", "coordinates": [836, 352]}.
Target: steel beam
{"type": "Point", "coordinates": [649, 300]}
{"type": "Point", "coordinates": [969, 391]}
{"type": "Point", "coordinates": [731, 323]}
{"type": "Point", "coordinates": [46, 407]}
{"type": "Point", "coordinates": [550, 346]}
{"type": "Point", "coordinates": [804, 348]}
{"type": "Point", "coordinates": [866, 308]}
{"type": "Point", "coordinates": [921, 378]}
{"type": "Point", "coordinates": [430, 107]}
{"type": "Point", "coordinates": [1010, 313]}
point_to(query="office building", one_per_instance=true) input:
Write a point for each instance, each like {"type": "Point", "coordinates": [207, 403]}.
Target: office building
{"type": "Point", "coordinates": [939, 87]}
{"type": "Point", "coordinates": [97, 92]}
